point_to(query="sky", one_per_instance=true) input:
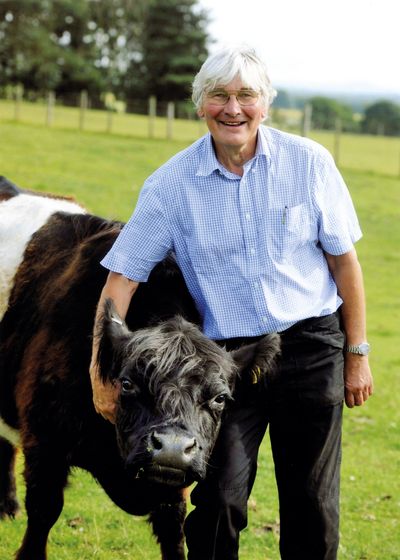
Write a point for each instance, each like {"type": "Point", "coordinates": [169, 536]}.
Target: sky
{"type": "Point", "coordinates": [325, 45]}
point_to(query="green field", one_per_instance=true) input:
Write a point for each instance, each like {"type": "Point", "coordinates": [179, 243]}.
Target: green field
{"type": "Point", "coordinates": [105, 172]}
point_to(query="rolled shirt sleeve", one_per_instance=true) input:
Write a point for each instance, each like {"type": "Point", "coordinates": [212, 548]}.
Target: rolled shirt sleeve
{"type": "Point", "coordinates": [338, 226]}
{"type": "Point", "coordinates": [144, 241]}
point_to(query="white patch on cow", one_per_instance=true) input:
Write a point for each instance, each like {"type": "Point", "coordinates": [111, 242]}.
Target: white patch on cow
{"type": "Point", "coordinates": [8, 433]}
{"type": "Point", "coordinates": [20, 217]}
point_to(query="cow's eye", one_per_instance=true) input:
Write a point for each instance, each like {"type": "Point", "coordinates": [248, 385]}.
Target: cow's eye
{"type": "Point", "coordinates": [127, 386]}
{"type": "Point", "coordinates": [219, 400]}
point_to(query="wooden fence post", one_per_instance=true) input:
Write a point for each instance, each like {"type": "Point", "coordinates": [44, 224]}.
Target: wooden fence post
{"type": "Point", "coordinates": [82, 108]}
{"type": "Point", "coordinates": [170, 119]}
{"type": "Point", "coordinates": [18, 99]}
{"type": "Point", "coordinates": [110, 115]}
{"type": "Point", "coordinates": [399, 164]}
{"type": "Point", "coordinates": [152, 114]}
{"type": "Point", "coordinates": [307, 115]}
{"type": "Point", "coordinates": [51, 99]}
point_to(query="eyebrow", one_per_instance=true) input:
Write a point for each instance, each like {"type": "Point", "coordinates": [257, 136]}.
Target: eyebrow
{"type": "Point", "coordinates": [221, 88]}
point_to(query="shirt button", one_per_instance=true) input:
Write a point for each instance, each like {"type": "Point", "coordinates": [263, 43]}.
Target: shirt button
{"type": "Point", "coordinates": [252, 251]}
{"type": "Point", "coordinates": [256, 284]}
{"type": "Point", "coordinates": [265, 319]}
{"type": "Point", "coordinates": [248, 216]}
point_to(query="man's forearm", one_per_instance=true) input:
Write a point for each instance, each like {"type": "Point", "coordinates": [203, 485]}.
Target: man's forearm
{"type": "Point", "coordinates": [120, 290]}
{"type": "Point", "coordinates": [347, 274]}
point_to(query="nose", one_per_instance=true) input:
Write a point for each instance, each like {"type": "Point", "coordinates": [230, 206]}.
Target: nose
{"type": "Point", "coordinates": [232, 107]}
{"type": "Point", "coordinates": [172, 449]}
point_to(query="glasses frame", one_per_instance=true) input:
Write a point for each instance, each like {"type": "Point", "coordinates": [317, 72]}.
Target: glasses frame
{"type": "Point", "coordinates": [228, 94]}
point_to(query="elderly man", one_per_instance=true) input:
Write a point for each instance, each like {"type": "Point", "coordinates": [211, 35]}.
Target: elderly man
{"type": "Point", "coordinates": [262, 227]}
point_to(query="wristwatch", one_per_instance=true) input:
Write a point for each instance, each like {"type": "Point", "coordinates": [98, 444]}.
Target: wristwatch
{"type": "Point", "coordinates": [361, 349]}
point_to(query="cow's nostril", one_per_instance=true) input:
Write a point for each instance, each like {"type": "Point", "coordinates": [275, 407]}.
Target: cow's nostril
{"type": "Point", "coordinates": [172, 449]}
{"type": "Point", "coordinates": [191, 446]}
{"type": "Point", "coordinates": [156, 441]}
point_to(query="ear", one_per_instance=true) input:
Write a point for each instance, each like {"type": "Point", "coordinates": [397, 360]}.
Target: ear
{"type": "Point", "coordinates": [200, 113]}
{"type": "Point", "coordinates": [264, 113]}
{"type": "Point", "coordinates": [114, 337]}
{"type": "Point", "coordinates": [256, 360]}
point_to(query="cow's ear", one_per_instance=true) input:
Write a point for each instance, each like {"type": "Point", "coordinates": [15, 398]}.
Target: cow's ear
{"type": "Point", "coordinates": [258, 359]}
{"type": "Point", "coordinates": [113, 335]}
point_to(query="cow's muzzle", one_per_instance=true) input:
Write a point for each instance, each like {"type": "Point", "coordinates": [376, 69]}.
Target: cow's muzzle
{"type": "Point", "coordinates": [172, 455]}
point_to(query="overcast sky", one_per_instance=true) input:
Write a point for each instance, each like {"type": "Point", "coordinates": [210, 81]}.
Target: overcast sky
{"type": "Point", "coordinates": [342, 45]}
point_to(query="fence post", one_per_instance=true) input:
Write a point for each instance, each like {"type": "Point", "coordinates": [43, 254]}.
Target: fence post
{"type": "Point", "coordinates": [202, 128]}
{"type": "Point", "coordinates": [170, 119]}
{"type": "Point", "coordinates": [152, 114]}
{"type": "Point", "coordinates": [338, 132]}
{"type": "Point", "coordinates": [82, 108]}
{"type": "Point", "coordinates": [51, 99]}
{"type": "Point", "coordinates": [399, 164]}
{"type": "Point", "coordinates": [306, 119]}
{"type": "Point", "coordinates": [18, 99]}
{"type": "Point", "coordinates": [110, 114]}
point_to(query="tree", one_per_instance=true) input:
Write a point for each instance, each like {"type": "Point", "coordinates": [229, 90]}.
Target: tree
{"type": "Point", "coordinates": [173, 45]}
{"type": "Point", "coordinates": [44, 48]}
{"type": "Point", "coordinates": [326, 111]}
{"type": "Point", "coordinates": [68, 45]}
{"type": "Point", "coordinates": [382, 117]}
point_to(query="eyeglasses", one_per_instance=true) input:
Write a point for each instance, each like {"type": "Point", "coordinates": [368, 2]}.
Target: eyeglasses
{"type": "Point", "coordinates": [245, 97]}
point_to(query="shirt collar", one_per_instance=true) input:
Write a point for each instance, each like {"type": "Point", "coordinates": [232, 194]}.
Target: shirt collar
{"type": "Point", "coordinates": [264, 142]}
{"type": "Point", "coordinates": [209, 163]}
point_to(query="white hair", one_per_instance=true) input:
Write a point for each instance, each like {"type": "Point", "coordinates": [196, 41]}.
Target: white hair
{"type": "Point", "coordinates": [229, 63]}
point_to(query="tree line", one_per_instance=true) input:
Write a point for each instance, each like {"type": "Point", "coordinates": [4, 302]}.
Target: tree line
{"type": "Point", "coordinates": [132, 49]}
{"type": "Point", "coordinates": [381, 117]}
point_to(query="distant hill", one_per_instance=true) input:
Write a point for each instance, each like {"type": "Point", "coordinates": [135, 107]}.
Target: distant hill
{"type": "Point", "coordinates": [295, 99]}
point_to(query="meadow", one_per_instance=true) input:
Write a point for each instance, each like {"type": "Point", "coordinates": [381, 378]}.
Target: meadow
{"type": "Point", "coordinates": [105, 172]}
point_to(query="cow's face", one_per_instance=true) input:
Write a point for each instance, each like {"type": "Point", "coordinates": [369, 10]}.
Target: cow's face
{"type": "Point", "coordinates": [174, 386]}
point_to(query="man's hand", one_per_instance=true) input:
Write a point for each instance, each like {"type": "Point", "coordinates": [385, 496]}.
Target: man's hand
{"type": "Point", "coordinates": [105, 396]}
{"type": "Point", "coordinates": [358, 380]}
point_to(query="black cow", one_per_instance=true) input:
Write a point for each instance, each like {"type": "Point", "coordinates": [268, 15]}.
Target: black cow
{"type": "Point", "coordinates": [174, 382]}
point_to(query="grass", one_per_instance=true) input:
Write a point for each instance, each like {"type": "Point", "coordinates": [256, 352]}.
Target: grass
{"type": "Point", "coordinates": [381, 155]}
{"type": "Point", "coordinates": [104, 172]}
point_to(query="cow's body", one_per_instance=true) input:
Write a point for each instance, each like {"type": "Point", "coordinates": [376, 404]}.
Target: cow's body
{"type": "Point", "coordinates": [45, 395]}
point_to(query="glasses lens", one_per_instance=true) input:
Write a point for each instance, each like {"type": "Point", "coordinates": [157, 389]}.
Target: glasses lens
{"type": "Point", "coordinates": [247, 97]}
{"type": "Point", "coordinates": [244, 97]}
{"type": "Point", "coordinates": [218, 97]}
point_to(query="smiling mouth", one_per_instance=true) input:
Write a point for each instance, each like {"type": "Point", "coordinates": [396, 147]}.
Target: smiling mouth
{"type": "Point", "coordinates": [233, 124]}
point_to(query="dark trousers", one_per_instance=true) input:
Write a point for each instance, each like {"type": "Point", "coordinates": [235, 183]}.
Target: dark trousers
{"type": "Point", "coordinates": [302, 405]}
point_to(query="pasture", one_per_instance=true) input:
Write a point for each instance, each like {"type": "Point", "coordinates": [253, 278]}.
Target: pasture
{"type": "Point", "coordinates": [104, 172]}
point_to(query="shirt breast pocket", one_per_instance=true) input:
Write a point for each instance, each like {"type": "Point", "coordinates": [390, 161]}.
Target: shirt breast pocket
{"type": "Point", "coordinates": [289, 229]}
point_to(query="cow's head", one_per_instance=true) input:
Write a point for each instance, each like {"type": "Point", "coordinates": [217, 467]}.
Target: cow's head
{"type": "Point", "coordinates": [174, 386]}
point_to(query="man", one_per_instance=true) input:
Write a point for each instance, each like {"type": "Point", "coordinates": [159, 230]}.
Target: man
{"type": "Point", "coordinates": [262, 227]}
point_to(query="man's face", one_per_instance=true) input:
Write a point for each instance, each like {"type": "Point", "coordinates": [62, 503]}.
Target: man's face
{"type": "Point", "coordinates": [233, 125]}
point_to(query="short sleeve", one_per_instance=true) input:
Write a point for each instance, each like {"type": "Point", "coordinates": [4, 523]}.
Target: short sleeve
{"type": "Point", "coordinates": [338, 226]}
{"type": "Point", "coordinates": [144, 241]}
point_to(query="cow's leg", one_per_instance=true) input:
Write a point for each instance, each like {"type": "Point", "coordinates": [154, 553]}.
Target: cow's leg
{"type": "Point", "coordinates": [8, 499]}
{"type": "Point", "coordinates": [167, 521]}
{"type": "Point", "coordinates": [46, 476]}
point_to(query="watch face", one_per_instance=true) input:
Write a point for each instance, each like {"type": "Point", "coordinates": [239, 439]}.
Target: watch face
{"type": "Point", "coordinates": [364, 348]}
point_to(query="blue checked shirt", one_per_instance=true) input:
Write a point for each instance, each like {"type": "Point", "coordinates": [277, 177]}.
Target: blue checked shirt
{"type": "Point", "coordinates": [251, 248]}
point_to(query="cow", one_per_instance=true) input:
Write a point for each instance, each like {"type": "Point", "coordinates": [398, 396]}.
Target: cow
{"type": "Point", "coordinates": [174, 383]}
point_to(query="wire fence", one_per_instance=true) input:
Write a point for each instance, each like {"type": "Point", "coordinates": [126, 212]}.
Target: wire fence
{"type": "Point", "coordinates": [167, 120]}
